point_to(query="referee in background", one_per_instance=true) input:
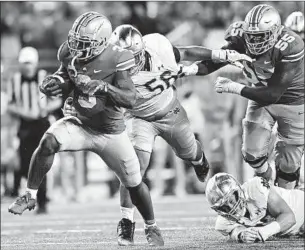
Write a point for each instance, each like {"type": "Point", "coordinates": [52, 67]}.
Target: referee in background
{"type": "Point", "coordinates": [33, 110]}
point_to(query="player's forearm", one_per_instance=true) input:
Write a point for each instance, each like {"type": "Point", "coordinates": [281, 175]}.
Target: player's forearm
{"type": "Point", "coordinates": [283, 222]}
{"type": "Point", "coordinates": [208, 67]}
{"type": "Point", "coordinates": [194, 53]}
{"type": "Point", "coordinates": [123, 98]}
{"type": "Point", "coordinates": [261, 95]}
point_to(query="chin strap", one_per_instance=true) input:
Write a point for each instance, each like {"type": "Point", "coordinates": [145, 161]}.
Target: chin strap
{"type": "Point", "coordinates": [79, 54]}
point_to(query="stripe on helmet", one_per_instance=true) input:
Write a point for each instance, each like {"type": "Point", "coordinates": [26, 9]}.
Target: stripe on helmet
{"type": "Point", "coordinates": [81, 21]}
{"type": "Point", "coordinates": [259, 14]}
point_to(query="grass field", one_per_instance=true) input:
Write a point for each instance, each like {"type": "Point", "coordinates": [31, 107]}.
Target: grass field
{"type": "Point", "coordinates": [186, 224]}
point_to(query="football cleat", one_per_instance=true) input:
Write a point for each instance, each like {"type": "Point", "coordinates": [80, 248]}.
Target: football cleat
{"type": "Point", "coordinates": [22, 203]}
{"type": "Point", "coordinates": [125, 231]}
{"type": "Point", "coordinates": [154, 236]}
{"type": "Point", "coordinates": [202, 170]}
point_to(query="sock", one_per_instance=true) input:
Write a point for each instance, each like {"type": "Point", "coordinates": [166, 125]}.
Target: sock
{"type": "Point", "coordinates": [147, 225]}
{"type": "Point", "coordinates": [33, 192]}
{"type": "Point", "coordinates": [140, 197]}
{"type": "Point", "coordinates": [127, 213]}
{"type": "Point", "coordinates": [199, 162]}
{"type": "Point", "coordinates": [262, 169]}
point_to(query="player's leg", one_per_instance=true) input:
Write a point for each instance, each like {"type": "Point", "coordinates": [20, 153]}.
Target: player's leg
{"type": "Point", "coordinates": [63, 135]}
{"type": "Point", "coordinates": [257, 130]}
{"type": "Point", "coordinates": [290, 147]}
{"type": "Point", "coordinates": [175, 129]}
{"type": "Point", "coordinates": [120, 156]}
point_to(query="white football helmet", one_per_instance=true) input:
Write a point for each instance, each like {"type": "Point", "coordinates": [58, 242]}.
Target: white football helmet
{"type": "Point", "coordinates": [262, 28]}
{"type": "Point", "coordinates": [295, 22]}
{"type": "Point", "coordinates": [226, 196]}
{"type": "Point", "coordinates": [89, 35]}
{"type": "Point", "coordinates": [128, 37]}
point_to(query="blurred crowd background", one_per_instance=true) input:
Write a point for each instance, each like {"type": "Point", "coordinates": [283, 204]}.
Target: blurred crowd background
{"type": "Point", "coordinates": [216, 119]}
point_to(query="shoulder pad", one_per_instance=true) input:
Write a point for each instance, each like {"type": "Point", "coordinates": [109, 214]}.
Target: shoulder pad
{"type": "Point", "coordinates": [125, 59]}
{"type": "Point", "coordinates": [289, 47]}
{"type": "Point", "coordinates": [235, 30]}
{"type": "Point", "coordinates": [63, 51]}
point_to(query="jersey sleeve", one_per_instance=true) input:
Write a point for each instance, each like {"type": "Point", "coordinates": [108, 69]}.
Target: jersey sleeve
{"type": "Point", "coordinates": [289, 48]}
{"type": "Point", "coordinates": [234, 37]}
{"type": "Point", "coordinates": [258, 190]}
{"type": "Point", "coordinates": [125, 60]}
{"type": "Point", "coordinates": [160, 45]}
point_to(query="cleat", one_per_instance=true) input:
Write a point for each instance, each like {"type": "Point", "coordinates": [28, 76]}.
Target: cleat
{"type": "Point", "coordinates": [202, 170]}
{"type": "Point", "coordinates": [125, 231]}
{"type": "Point", "coordinates": [153, 236]}
{"type": "Point", "coordinates": [22, 203]}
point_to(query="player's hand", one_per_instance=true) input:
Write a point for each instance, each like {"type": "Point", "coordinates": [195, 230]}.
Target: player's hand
{"type": "Point", "coordinates": [226, 85]}
{"type": "Point", "coordinates": [50, 86]}
{"type": "Point", "coordinates": [69, 109]}
{"type": "Point", "coordinates": [250, 235]}
{"type": "Point", "coordinates": [101, 88]}
{"type": "Point", "coordinates": [188, 70]}
{"type": "Point", "coordinates": [233, 56]}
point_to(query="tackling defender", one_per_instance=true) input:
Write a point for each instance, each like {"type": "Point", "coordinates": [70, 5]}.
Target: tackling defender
{"type": "Point", "coordinates": [87, 61]}
{"type": "Point", "coordinates": [157, 111]}
{"type": "Point", "coordinates": [256, 210]}
{"type": "Point", "coordinates": [276, 91]}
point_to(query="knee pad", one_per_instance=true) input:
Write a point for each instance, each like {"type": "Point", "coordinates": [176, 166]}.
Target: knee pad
{"type": "Point", "coordinates": [288, 157]}
{"type": "Point", "coordinates": [254, 162]}
{"type": "Point", "coordinates": [48, 144]}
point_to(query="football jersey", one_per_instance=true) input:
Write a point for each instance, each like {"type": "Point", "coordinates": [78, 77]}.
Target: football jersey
{"type": "Point", "coordinates": [288, 48]}
{"type": "Point", "coordinates": [257, 191]}
{"type": "Point", "coordinates": [155, 86]}
{"type": "Point", "coordinates": [104, 115]}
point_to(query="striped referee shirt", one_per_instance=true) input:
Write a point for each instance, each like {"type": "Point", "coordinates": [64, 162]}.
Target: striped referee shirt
{"type": "Point", "coordinates": [24, 92]}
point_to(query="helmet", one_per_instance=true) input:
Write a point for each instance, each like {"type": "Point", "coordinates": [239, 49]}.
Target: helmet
{"type": "Point", "coordinates": [128, 37]}
{"type": "Point", "coordinates": [226, 196]}
{"type": "Point", "coordinates": [89, 35]}
{"type": "Point", "coordinates": [295, 22]}
{"type": "Point", "coordinates": [262, 28]}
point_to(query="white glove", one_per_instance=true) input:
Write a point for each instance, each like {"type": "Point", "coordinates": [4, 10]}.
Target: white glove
{"type": "Point", "coordinates": [190, 70]}
{"type": "Point", "coordinates": [230, 56]}
{"type": "Point", "coordinates": [225, 85]}
{"type": "Point", "coordinates": [250, 235]}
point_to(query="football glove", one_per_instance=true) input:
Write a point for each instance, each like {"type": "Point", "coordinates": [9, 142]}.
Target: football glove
{"type": "Point", "coordinates": [50, 86]}
{"type": "Point", "coordinates": [250, 235]}
{"type": "Point", "coordinates": [88, 86]}
{"type": "Point", "coordinates": [225, 85]}
{"type": "Point", "coordinates": [230, 56]}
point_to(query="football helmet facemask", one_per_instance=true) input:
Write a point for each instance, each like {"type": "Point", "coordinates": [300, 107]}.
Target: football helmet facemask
{"type": "Point", "coordinates": [128, 37]}
{"type": "Point", "coordinates": [262, 28]}
{"type": "Point", "coordinates": [226, 196]}
{"type": "Point", "coordinates": [295, 22]}
{"type": "Point", "coordinates": [89, 35]}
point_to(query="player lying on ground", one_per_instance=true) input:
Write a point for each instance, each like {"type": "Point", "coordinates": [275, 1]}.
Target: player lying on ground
{"type": "Point", "coordinates": [87, 61]}
{"type": "Point", "coordinates": [157, 111]}
{"type": "Point", "coordinates": [275, 91]}
{"type": "Point", "coordinates": [254, 211]}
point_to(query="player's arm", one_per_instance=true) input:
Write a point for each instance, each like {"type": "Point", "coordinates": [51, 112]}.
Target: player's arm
{"type": "Point", "coordinates": [279, 209]}
{"type": "Point", "coordinates": [264, 95]}
{"type": "Point", "coordinates": [124, 93]}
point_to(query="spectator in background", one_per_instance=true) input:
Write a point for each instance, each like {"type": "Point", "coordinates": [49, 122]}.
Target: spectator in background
{"type": "Point", "coordinates": [33, 109]}
{"type": "Point", "coordinates": [140, 19]}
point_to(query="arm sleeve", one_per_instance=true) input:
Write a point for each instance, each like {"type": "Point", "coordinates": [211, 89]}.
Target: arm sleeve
{"type": "Point", "coordinates": [125, 60]}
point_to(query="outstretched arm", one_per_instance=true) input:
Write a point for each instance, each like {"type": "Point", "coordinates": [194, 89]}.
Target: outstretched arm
{"type": "Point", "coordinates": [264, 95]}
{"type": "Point", "coordinates": [279, 209]}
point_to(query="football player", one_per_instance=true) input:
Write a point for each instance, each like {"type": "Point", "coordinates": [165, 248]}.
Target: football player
{"type": "Point", "coordinates": [157, 112]}
{"type": "Point", "coordinates": [256, 210]}
{"type": "Point", "coordinates": [295, 22]}
{"type": "Point", "coordinates": [275, 91]}
{"type": "Point", "coordinates": [87, 61]}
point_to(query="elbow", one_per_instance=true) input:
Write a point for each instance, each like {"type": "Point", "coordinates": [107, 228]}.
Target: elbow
{"type": "Point", "coordinates": [131, 101]}
{"type": "Point", "coordinates": [291, 221]}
